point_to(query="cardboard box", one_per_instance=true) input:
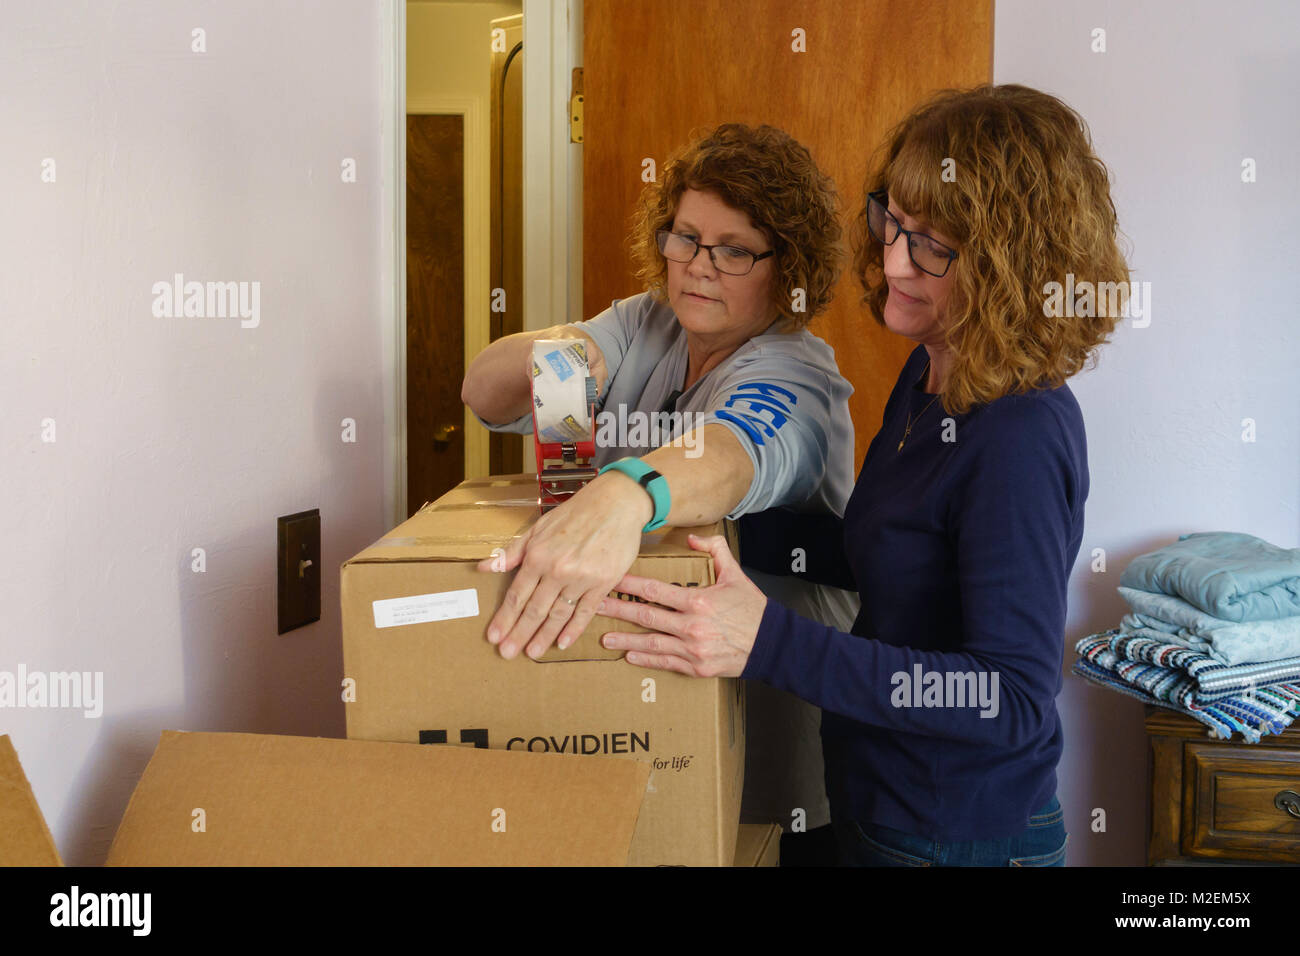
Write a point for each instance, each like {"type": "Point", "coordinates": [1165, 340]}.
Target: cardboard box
{"type": "Point", "coordinates": [311, 801]}
{"type": "Point", "coordinates": [25, 840]}
{"type": "Point", "coordinates": [415, 615]}
{"type": "Point", "coordinates": [758, 844]}
{"type": "Point", "coordinates": [210, 799]}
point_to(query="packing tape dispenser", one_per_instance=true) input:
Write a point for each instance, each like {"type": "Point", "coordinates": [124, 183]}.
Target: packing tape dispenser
{"type": "Point", "coordinates": [564, 420]}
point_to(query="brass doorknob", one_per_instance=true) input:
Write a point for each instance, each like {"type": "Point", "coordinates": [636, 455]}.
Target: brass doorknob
{"type": "Point", "coordinates": [442, 434]}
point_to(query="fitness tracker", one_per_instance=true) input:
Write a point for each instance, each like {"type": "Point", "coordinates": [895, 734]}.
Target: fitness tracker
{"type": "Point", "coordinates": [655, 484]}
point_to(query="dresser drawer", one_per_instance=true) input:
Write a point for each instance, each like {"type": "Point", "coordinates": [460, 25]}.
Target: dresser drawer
{"type": "Point", "coordinates": [1235, 802]}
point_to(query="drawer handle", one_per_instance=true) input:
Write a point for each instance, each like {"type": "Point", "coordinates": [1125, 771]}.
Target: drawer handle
{"type": "Point", "coordinates": [1289, 801]}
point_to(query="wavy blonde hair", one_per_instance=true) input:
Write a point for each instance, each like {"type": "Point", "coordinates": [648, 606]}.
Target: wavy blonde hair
{"type": "Point", "coordinates": [1029, 203]}
{"type": "Point", "coordinates": [770, 177]}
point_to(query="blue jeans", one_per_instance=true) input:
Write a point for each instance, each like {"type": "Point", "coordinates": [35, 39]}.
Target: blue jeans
{"type": "Point", "coordinates": [1041, 844]}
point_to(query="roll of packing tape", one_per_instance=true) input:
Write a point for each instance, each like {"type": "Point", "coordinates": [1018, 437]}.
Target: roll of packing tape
{"type": "Point", "coordinates": [562, 391]}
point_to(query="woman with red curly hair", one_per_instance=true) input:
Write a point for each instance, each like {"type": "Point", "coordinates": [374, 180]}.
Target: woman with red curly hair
{"type": "Point", "coordinates": [940, 730]}
{"type": "Point", "coordinates": [739, 247]}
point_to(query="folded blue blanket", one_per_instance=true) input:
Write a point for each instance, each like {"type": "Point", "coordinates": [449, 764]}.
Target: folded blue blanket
{"type": "Point", "coordinates": [1164, 617]}
{"type": "Point", "coordinates": [1233, 576]}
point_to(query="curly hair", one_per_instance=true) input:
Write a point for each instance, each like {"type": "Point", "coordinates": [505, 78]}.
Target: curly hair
{"type": "Point", "coordinates": [1009, 173]}
{"type": "Point", "coordinates": [766, 174]}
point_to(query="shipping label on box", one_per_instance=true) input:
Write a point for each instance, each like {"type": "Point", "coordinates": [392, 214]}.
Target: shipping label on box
{"type": "Point", "coordinates": [415, 615]}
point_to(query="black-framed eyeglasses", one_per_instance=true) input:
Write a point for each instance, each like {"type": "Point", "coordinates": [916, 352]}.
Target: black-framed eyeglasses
{"type": "Point", "coordinates": [729, 260]}
{"type": "Point", "coordinates": [927, 253]}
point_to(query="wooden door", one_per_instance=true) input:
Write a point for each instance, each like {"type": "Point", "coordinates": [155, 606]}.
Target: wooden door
{"type": "Point", "coordinates": [435, 306]}
{"type": "Point", "coordinates": [655, 70]}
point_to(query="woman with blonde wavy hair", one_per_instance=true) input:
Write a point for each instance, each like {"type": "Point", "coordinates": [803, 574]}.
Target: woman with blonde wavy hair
{"type": "Point", "coordinates": [940, 730]}
{"type": "Point", "coordinates": [739, 247]}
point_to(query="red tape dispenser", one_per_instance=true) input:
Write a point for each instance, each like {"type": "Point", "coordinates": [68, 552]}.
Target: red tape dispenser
{"type": "Point", "coordinates": [564, 420]}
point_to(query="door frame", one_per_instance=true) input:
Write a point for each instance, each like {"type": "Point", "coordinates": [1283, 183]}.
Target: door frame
{"type": "Point", "coordinates": [552, 242]}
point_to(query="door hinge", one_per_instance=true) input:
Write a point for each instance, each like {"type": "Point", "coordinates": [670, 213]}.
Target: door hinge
{"type": "Point", "coordinates": [575, 107]}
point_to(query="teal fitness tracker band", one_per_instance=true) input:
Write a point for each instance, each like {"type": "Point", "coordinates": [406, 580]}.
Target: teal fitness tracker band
{"type": "Point", "coordinates": [655, 484]}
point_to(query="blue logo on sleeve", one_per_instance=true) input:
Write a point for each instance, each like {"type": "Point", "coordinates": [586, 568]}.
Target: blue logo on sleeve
{"type": "Point", "coordinates": [759, 408]}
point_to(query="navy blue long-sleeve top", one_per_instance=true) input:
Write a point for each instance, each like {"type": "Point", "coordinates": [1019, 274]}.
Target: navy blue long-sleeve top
{"type": "Point", "coordinates": [961, 546]}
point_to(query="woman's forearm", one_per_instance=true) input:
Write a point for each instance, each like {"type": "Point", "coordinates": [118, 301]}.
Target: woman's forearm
{"type": "Point", "coordinates": [497, 386]}
{"type": "Point", "coordinates": [707, 479]}
{"type": "Point", "coordinates": [999, 692]}
{"type": "Point", "coordinates": [579, 551]}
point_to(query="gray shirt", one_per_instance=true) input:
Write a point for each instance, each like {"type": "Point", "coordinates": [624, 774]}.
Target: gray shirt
{"type": "Point", "coordinates": [782, 396]}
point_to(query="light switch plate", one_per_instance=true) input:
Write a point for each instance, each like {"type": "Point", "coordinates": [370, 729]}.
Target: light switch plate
{"type": "Point", "coordinates": [298, 561]}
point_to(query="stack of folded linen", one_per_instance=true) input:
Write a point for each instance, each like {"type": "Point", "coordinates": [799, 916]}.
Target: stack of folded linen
{"type": "Point", "coordinates": [1213, 632]}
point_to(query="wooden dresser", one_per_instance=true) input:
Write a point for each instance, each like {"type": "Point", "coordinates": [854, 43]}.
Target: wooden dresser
{"type": "Point", "coordinates": [1221, 801]}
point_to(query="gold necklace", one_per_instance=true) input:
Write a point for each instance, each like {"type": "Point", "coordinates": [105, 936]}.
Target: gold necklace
{"type": "Point", "coordinates": [908, 430]}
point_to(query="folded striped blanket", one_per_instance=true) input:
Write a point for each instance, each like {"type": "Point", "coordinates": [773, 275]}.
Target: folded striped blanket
{"type": "Point", "coordinates": [1212, 679]}
{"type": "Point", "coordinates": [1254, 713]}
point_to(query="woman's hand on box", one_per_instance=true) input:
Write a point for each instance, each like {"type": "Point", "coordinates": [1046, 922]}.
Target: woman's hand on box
{"type": "Point", "coordinates": [568, 561]}
{"type": "Point", "coordinates": [709, 632]}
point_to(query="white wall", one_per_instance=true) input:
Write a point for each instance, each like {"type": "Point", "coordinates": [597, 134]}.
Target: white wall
{"type": "Point", "coordinates": [1184, 92]}
{"type": "Point", "coordinates": [181, 433]}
